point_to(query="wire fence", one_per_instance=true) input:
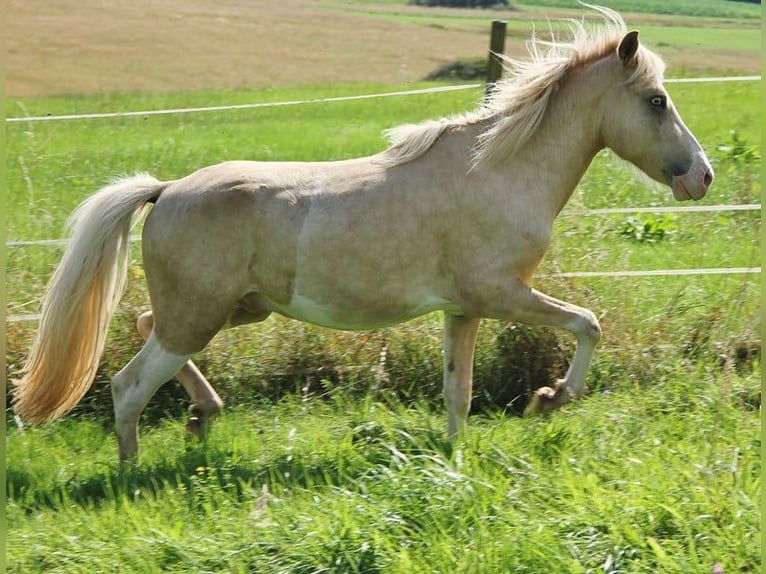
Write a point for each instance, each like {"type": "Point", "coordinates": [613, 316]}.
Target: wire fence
{"type": "Point", "coordinates": [433, 90]}
{"type": "Point", "coordinates": [34, 317]}
{"type": "Point", "coordinates": [571, 212]}
{"type": "Point", "coordinates": [401, 93]}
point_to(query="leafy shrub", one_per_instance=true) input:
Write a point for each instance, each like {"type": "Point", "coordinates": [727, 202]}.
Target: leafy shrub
{"type": "Point", "coordinates": [522, 359]}
{"type": "Point", "coordinates": [291, 358]}
{"type": "Point", "coordinates": [648, 229]}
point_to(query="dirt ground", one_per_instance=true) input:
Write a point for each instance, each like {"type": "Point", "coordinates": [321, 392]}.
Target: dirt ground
{"type": "Point", "coordinates": [87, 46]}
{"type": "Point", "coordinates": [164, 45]}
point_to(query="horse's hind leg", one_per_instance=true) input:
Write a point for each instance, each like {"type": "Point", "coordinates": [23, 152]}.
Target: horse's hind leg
{"type": "Point", "coordinates": [206, 403]}
{"type": "Point", "coordinates": [134, 386]}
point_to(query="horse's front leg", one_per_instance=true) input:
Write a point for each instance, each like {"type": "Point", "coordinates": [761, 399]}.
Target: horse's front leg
{"type": "Point", "coordinates": [528, 305]}
{"type": "Point", "coordinates": [459, 343]}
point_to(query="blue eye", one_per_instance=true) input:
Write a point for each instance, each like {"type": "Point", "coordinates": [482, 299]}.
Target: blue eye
{"type": "Point", "coordinates": [660, 102]}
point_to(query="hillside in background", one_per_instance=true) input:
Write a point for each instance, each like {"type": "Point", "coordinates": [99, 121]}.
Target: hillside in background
{"type": "Point", "coordinates": [88, 46]}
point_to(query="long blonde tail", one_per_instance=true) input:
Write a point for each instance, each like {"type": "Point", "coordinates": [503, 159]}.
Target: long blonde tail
{"type": "Point", "coordinates": [80, 300]}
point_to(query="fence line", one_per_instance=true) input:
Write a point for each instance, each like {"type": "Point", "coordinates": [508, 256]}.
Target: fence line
{"type": "Point", "coordinates": [28, 318]}
{"type": "Point", "coordinates": [659, 272]}
{"type": "Point", "coordinates": [245, 106]}
{"type": "Point", "coordinates": [573, 274]}
{"type": "Point", "coordinates": [582, 212]}
{"type": "Point", "coordinates": [319, 101]}
{"type": "Point", "coordinates": [669, 209]}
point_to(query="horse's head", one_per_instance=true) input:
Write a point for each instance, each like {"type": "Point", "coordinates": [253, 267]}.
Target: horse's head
{"type": "Point", "coordinates": [641, 124]}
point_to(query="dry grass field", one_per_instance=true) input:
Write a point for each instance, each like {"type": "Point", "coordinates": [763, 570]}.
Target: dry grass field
{"type": "Point", "coordinates": [163, 45]}
{"type": "Point", "coordinates": [90, 46]}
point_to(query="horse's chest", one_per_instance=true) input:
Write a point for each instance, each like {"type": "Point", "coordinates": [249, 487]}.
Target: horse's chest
{"type": "Point", "coordinates": [515, 246]}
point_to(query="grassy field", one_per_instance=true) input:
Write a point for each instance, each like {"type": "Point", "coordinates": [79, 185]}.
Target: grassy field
{"type": "Point", "coordinates": [331, 455]}
{"type": "Point", "coordinates": [657, 471]}
{"type": "Point", "coordinates": [658, 479]}
{"type": "Point", "coordinates": [703, 8]}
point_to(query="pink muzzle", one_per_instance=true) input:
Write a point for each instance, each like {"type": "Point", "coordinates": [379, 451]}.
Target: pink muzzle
{"type": "Point", "coordinates": [695, 182]}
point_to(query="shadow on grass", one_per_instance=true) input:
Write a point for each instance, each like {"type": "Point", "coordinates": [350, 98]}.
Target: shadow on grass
{"type": "Point", "coordinates": [202, 466]}
{"type": "Point", "coordinates": [197, 468]}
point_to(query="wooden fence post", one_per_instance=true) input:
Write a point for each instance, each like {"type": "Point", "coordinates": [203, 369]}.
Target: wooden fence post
{"type": "Point", "coordinates": [496, 47]}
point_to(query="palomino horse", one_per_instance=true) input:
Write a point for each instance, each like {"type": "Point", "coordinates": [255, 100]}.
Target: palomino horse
{"type": "Point", "coordinates": [454, 216]}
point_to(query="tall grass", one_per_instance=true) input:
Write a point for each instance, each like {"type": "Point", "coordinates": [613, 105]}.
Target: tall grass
{"type": "Point", "coordinates": [661, 479]}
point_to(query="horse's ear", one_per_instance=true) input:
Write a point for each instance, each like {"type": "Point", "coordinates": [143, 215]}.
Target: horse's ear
{"type": "Point", "coordinates": [628, 47]}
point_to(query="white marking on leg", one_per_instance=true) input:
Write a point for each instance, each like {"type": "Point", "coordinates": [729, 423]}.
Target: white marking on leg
{"type": "Point", "coordinates": [135, 385]}
{"type": "Point", "coordinates": [588, 332]}
{"type": "Point", "coordinates": [206, 403]}
{"type": "Point", "coordinates": [533, 307]}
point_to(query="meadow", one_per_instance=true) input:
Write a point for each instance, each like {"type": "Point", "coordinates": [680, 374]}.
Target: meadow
{"type": "Point", "coordinates": [331, 455]}
{"type": "Point", "coordinates": [343, 466]}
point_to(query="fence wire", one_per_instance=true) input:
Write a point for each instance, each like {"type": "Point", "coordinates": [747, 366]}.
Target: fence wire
{"type": "Point", "coordinates": [434, 90]}
{"type": "Point", "coordinates": [402, 93]}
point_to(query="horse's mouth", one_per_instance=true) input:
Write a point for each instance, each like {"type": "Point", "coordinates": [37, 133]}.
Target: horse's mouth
{"type": "Point", "coordinates": [679, 189]}
{"type": "Point", "coordinates": [687, 186]}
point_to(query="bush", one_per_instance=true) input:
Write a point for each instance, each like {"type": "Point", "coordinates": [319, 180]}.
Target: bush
{"type": "Point", "coordinates": [470, 69]}
{"type": "Point", "coordinates": [269, 361]}
{"type": "Point", "coordinates": [522, 359]}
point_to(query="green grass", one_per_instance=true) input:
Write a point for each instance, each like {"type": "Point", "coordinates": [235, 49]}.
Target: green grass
{"type": "Point", "coordinates": [656, 471]}
{"type": "Point", "coordinates": [696, 8]}
{"type": "Point", "coordinates": [740, 33]}
{"type": "Point", "coordinates": [658, 479]}
{"type": "Point", "coordinates": [707, 13]}
{"type": "Point", "coordinates": [664, 37]}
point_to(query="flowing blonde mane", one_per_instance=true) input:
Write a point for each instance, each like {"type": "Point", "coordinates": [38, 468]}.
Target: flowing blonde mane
{"type": "Point", "coordinates": [518, 102]}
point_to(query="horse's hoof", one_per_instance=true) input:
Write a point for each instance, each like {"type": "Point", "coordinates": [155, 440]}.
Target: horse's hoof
{"type": "Point", "coordinates": [195, 427]}
{"type": "Point", "coordinates": [548, 398]}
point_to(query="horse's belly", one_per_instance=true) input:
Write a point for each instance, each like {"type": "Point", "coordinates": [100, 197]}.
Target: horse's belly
{"type": "Point", "coordinates": [376, 315]}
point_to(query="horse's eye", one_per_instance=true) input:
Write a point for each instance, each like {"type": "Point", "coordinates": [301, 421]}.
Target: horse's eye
{"type": "Point", "coordinates": [660, 102]}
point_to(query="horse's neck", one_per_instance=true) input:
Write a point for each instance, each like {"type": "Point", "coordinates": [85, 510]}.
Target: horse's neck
{"type": "Point", "coordinates": [554, 160]}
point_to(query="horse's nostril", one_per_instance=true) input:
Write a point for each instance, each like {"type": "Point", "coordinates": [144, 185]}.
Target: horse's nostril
{"type": "Point", "coordinates": [708, 178]}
